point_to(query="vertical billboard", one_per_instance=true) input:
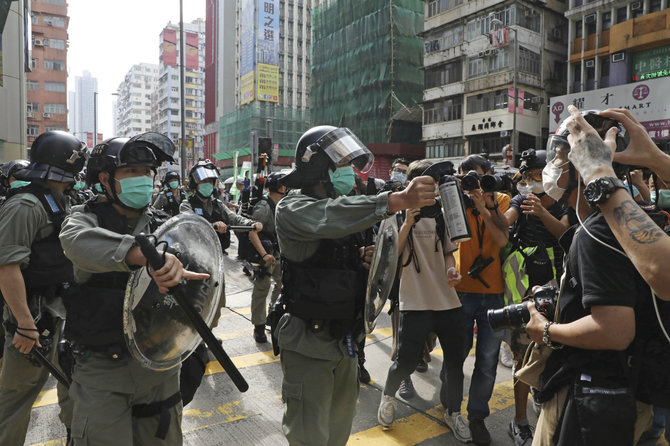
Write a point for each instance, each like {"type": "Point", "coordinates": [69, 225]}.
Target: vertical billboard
{"type": "Point", "coordinates": [169, 47]}
{"type": "Point", "coordinates": [247, 52]}
{"type": "Point", "coordinates": [191, 50]}
{"type": "Point", "coordinates": [267, 50]}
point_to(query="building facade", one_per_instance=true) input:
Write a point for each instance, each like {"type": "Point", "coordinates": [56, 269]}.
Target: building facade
{"type": "Point", "coordinates": [83, 103]}
{"type": "Point", "coordinates": [475, 54]}
{"type": "Point", "coordinates": [619, 56]}
{"type": "Point", "coordinates": [168, 102]}
{"type": "Point", "coordinates": [270, 78]}
{"type": "Point", "coordinates": [46, 104]}
{"type": "Point", "coordinates": [133, 107]}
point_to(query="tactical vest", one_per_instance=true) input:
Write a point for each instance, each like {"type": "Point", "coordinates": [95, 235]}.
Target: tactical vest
{"type": "Point", "coordinates": [95, 308]}
{"type": "Point", "coordinates": [327, 286]}
{"type": "Point", "coordinates": [216, 215]}
{"type": "Point", "coordinates": [172, 206]}
{"type": "Point", "coordinates": [48, 269]}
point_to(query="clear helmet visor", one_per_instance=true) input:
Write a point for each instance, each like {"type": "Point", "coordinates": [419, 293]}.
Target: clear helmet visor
{"type": "Point", "coordinates": [557, 150]}
{"type": "Point", "coordinates": [344, 148]}
{"type": "Point", "coordinates": [202, 173]}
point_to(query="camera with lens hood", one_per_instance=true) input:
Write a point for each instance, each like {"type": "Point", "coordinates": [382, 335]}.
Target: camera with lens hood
{"type": "Point", "coordinates": [515, 315]}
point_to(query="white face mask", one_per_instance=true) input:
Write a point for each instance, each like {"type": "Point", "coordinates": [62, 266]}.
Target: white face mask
{"type": "Point", "coordinates": [523, 189]}
{"type": "Point", "coordinates": [536, 187]}
{"type": "Point", "coordinates": [550, 176]}
{"type": "Point", "coordinates": [399, 176]}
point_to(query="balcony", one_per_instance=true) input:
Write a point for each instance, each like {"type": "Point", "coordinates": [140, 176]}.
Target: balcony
{"type": "Point", "coordinates": [641, 33]}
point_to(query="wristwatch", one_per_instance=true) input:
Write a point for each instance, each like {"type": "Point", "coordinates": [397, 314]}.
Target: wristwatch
{"type": "Point", "coordinates": [547, 339]}
{"type": "Point", "coordinates": [600, 189]}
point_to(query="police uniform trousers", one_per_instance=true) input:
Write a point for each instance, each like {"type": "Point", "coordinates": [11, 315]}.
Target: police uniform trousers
{"type": "Point", "coordinates": [320, 385]}
{"type": "Point", "coordinates": [104, 391]}
{"type": "Point", "coordinates": [259, 295]}
{"type": "Point", "coordinates": [220, 306]}
{"type": "Point", "coordinates": [20, 384]}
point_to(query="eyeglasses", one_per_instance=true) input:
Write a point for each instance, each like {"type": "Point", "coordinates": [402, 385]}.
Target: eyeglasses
{"type": "Point", "coordinates": [532, 176]}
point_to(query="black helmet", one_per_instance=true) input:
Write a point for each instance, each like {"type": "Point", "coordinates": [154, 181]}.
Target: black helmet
{"type": "Point", "coordinates": [273, 181]}
{"type": "Point", "coordinates": [9, 169]}
{"type": "Point", "coordinates": [326, 147]}
{"type": "Point", "coordinates": [56, 156]}
{"type": "Point", "coordinates": [201, 171]}
{"type": "Point", "coordinates": [533, 159]}
{"type": "Point", "coordinates": [171, 175]}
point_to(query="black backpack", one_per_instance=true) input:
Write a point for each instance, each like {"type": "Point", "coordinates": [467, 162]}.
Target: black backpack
{"type": "Point", "coordinates": [246, 250]}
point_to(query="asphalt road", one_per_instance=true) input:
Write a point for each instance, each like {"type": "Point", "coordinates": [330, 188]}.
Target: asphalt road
{"type": "Point", "coordinates": [220, 415]}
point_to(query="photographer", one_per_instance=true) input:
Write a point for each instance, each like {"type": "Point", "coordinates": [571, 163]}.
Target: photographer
{"type": "Point", "coordinates": [586, 390]}
{"type": "Point", "coordinates": [481, 289]}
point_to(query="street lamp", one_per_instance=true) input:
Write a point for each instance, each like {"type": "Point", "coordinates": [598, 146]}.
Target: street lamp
{"type": "Point", "coordinates": [514, 139]}
{"type": "Point", "coordinates": [95, 118]}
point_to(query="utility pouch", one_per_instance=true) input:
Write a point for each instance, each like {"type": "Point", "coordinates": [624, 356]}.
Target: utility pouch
{"type": "Point", "coordinates": [533, 364]}
{"type": "Point", "coordinates": [598, 411]}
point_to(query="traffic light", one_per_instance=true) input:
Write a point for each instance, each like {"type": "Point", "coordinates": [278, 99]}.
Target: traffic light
{"type": "Point", "coordinates": [265, 146]}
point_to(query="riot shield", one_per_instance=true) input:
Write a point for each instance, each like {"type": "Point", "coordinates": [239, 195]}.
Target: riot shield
{"type": "Point", "coordinates": [158, 334]}
{"type": "Point", "coordinates": [382, 271]}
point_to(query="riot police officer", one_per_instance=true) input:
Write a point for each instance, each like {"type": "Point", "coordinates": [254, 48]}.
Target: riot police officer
{"type": "Point", "coordinates": [8, 180]}
{"type": "Point", "coordinates": [201, 180]}
{"type": "Point", "coordinates": [33, 271]}
{"type": "Point", "coordinates": [116, 399]}
{"type": "Point", "coordinates": [323, 280]}
{"type": "Point", "coordinates": [171, 196]}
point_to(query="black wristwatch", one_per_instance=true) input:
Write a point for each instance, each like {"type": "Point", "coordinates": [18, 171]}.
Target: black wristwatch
{"type": "Point", "coordinates": [599, 190]}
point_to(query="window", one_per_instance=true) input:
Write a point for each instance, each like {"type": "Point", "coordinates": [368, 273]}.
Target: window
{"type": "Point", "coordinates": [476, 67]}
{"type": "Point", "coordinates": [58, 87]}
{"type": "Point", "coordinates": [33, 64]}
{"type": "Point", "coordinates": [559, 72]}
{"type": "Point", "coordinates": [56, 2]}
{"type": "Point", "coordinates": [32, 85]}
{"type": "Point", "coordinates": [591, 28]}
{"type": "Point", "coordinates": [621, 14]}
{"type": "Point", "coordinates": [58, 44]}
{"type": "Point", "coordinates": [32, 107]}
{"type": "Point", "coordinates": [449, 109]}
{"type": "Point", "coordinates": [607, 20]}
{"type": "Point", "coordinates": [56, 109]}
{"type": "Point", "coordinates": [501, 59]}
{"type": "Point", "coordinates": [444, 74]}
{"type": "Point", "coordinates": [529, 61]}
{"type": "Point", "coordinates": [578, 28]}
{"type": "Point", "coordinates": [56, 65]}
{"type": "Point", "coordinates": [51, 20]}
{"type": "Point", "coordinates": [33, 130]}
{"type": "Point", "coordinates": [654, 5]}
{"type": "Point", "coordinates": [54, 128]}
{"type": "Point", "coordinates": [493, 100]}
{"type": "Point", "coordinates": [34, 19]}
{"type": "Point", "coordinates": [444, 148]}
{"type": "Point", "coordinates": [450, 37]}
{"type": "Point", "coordinates": [604, 72]}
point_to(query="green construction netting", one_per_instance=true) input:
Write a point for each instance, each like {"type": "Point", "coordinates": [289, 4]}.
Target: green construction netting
{"type": "Point", "coordinates": [235, 128]}
{"type": "Point", "coordinates": [366, 63]}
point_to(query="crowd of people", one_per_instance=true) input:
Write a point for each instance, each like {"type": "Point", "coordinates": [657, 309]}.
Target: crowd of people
{"type": "Point", "coordinates": [571, 222]}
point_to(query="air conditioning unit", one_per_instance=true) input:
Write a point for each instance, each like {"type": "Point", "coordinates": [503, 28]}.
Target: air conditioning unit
{"type": "Point", "coordinates": [537, 100]}
{"type": "Point", "coordinates": [618, 57]}
{"type": "Point", "coordinates": [591, 18]}
{"type": "Point", "coordinates": [590, 64]}
{"type": "Point", "coordinates": [46, 115]}
{"type": "Point", "coordinates": [30, 114]}
{"type": "Point", "coordinates": [482, 53]}
{"type": "Point", "coordinates": [38, 42]}
{"type": "Point", "coordinates": [636, 6]}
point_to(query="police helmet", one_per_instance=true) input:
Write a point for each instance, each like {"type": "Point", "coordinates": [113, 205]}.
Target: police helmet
{"type": "Point", "coordinates": [9, 169]}
{"type": "Point", "coordinates": [533, 159]}
{"type": "Point", "coordinates": [203, 170]}
{"type": "Point", "coordinates": [171, 175]}
{"type": "Point", "coordinates": [56, 156]}
{"type": "Point", "coordinates": [273, 181]}
{"type": "Point", "coordinates": [326, 147]}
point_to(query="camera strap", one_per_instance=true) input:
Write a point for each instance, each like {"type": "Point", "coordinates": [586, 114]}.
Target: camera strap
{"type": "Point", "coordinates": [480, 233]}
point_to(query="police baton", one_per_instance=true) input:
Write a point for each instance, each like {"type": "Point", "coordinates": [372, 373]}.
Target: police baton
{"type": "Point", "coordinates": [240, 228]}
{"type": "Point", "coordinates": [51, 367]}
{"type": "Point", "coordinates": [156, 261]}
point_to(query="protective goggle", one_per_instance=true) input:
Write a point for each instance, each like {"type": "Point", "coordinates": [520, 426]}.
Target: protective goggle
{"type": "Point", "coordinates": [532, 175]}
{"type": "Point", "coordinates": [203, 173]}
{"type": "Point", "coordinates": [343, 148]}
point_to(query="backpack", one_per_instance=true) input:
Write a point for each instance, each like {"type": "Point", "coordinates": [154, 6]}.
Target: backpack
{"type": "Point", "coordinates": [246, 250]}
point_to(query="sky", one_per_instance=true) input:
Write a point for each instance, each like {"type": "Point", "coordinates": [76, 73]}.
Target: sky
{"type": "Point", "coordinates": [108, 37]}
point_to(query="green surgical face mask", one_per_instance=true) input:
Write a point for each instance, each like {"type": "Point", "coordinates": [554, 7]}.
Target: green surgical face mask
{"type": "Point", "coordinates": [18, 183]}
{"type": "Point", "coordinates": [173, 184]}
{"type": "Point", "coordinates": [205, 189]}
{"type": "Point", "coordinates": [98, 187]}
{"type": "Point", "coordinates": [343, 179]}
{"type": "Point", "coordinates": [136, 191]}
{"type": "Point", "coordinates": [664, 199]}
{"type": "Point", "coordinates": [79, 185]}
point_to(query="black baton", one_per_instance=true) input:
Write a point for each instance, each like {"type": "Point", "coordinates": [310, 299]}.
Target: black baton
{"type": "Point", "coordinates": [51, 367]}
{"type": "Point", "coordinates": [157, 262]}
{"type": "Point", "coordinates": [242, 228]}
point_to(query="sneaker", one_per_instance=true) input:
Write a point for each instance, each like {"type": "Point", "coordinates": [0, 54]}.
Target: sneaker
{"type": "Point", "coordinates": [422, 367]}
{"type": "Point", "coordinates": [480, 434]}
{"type": "Point", "coordinates": [407, 388]}
{"type": "Point", "coordinates": [506, 357]}
{"type": "Point", "coordinates": [386, 412]}
{"type": "Point", "coordinates": [521, 434]}
{"type": "Point", "coordinates": [458, 426]}
{"type": "Point", "coordinates": [259, 334]}
{"type": "Point", "coordinates": [363, 374]}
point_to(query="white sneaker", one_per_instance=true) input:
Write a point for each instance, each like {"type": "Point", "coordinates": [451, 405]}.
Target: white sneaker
{"type": "Point", "coordinates": [506, 357]}
{"type": "Point", "coordinates": [386, 412]}
{"type": "Point", "coordinates": [458, 426]}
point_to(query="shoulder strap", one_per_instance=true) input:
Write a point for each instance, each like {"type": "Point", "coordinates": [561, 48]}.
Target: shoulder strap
{"type": "Point", "coordinates": [43, 194]}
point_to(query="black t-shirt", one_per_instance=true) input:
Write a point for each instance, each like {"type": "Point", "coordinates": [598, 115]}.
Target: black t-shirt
{"type": "Point", "coordinates": [530, 229]}
{"type": "Point", "coordinates": [595, 275]}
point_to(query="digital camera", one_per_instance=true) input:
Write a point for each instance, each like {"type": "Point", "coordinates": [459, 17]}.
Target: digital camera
{"type": "Point", "coordinates": [517, 314]}
{"type": "Point", "coordinates": [470, 181]}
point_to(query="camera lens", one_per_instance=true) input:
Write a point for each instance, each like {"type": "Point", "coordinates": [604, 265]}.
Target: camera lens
{"type": "Point", "coordinates": [510, 316]}
{"type": "Point", "coordinates": [469, 182]}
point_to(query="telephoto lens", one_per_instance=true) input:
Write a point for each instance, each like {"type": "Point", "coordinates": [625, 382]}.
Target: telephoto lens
{"type": "Point", "coordinates": [510, 316]}
{"type": "Point", "coordinates": [496, 183]}
{"type": "Point", "coordinates": [470, 181]}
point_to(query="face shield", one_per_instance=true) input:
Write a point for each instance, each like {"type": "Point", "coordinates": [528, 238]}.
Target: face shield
{"type": "Point", "coordinates": [136, 155]}
{"type": "Point", "coordinates": [203, 173]}
{"type": "Point", "coordinates": [163, 148]}
{"type": "Point", "coordinates": [343, 148]}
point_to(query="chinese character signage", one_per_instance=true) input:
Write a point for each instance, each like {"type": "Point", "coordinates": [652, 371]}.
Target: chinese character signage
{"type": "Point", "coordinates": [646, 100]}
{"type": "Point", "coordinates": [651, 64]}
{"type": "Point", "coordinates": [267, 50]}
{"type": "Point", "coordinates": [247, 43]}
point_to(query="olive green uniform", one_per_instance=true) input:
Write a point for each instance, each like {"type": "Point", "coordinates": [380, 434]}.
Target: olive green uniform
{"type": "Point", "coordinates": [320, 384]}
{"type": "Point", "coordinates": [104, 389]}
{"type": "Point", "coordinates": [230, 218]}
{"type": "Point", "coordinates": [23, 220]}
{"type": "Point", "coordinates": [263, 213]}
